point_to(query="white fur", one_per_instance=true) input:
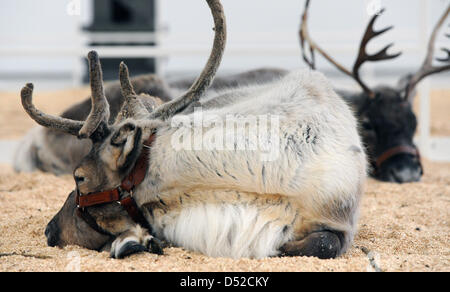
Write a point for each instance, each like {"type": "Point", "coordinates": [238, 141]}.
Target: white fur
{"type": "Point", "coordinates": [324, 178]}
{"type": "Point", "coordinates": [226, 230]}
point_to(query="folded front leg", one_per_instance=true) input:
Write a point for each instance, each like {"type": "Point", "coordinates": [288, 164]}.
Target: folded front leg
{"type": "Point", "coordinates": [135, 240]}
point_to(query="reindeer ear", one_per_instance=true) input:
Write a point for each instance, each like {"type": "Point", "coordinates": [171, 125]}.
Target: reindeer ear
{"type": "Point", "coordinates": [124, 146]}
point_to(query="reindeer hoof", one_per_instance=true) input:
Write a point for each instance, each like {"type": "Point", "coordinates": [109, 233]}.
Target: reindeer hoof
{"type": "Point", "coordinates": [129, 248]}
{"type": "Point", "coordinates": [322, 244]}
{"type": "Point", "coordinates": [134, 241]}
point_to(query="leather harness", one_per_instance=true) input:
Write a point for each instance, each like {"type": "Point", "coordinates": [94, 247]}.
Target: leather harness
{"type": "Point", "coordinates": [129, 183]}
{"type": "Point", "coordinates": [402, 149]}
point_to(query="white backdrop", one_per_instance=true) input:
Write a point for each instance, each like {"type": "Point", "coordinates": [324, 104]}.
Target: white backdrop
{"type": "Point", "coordinates": [261, 33]}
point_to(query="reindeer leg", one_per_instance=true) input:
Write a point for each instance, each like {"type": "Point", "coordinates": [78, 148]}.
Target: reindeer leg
{"type": "Point", "coordinates": [321, 244]}
{"type": "Point", "coordinates": [133, 241]}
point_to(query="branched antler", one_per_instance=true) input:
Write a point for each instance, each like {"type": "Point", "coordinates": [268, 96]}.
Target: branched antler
{"type": "Point", "coordinates": [427, 67]}
{"type": "Point", "coordinates": [99, 111]}
{"type": "Point", "coordinates": [363, 56]}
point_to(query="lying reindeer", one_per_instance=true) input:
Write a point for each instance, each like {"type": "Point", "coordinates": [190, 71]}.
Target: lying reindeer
{"type": "Point", "coordinates": [385, 114]}
{"type": "Point", "coordinates": [301, 199]}
{"type": "Point", "coordinates": [387, 122]}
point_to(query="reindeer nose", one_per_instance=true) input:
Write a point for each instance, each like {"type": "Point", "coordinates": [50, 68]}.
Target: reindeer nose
{"type": "Point", "coordinates": [406, 174]}
{"type": "Point", "coordinates": [404, 171]}
{"type": "Point", "coordinates": [52, 233]}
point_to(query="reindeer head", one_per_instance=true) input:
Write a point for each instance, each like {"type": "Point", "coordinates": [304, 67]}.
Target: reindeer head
{"type": "Point", "coordinates": [385, 113]}
{"type": "Point", "coordinates": [116, 147]}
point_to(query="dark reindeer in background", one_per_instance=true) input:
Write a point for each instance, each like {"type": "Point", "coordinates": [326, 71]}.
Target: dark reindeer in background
{"type": "Point", "coordinates": [385, 113]}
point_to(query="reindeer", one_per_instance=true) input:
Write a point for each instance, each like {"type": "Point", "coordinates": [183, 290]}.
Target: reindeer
{"type": "Point", "coordinates": [387, 122]}
{"type": "Point", "coordinates": [296, 193]}
{"type": "Point", "coordinates": [385, 113]}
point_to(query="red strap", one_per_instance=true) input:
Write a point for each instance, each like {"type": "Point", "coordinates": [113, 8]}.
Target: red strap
{"type": "Point", "coordinates": [98, 198]}
{"type": "Point", "coordinates": [132, 209]}
{"type": "Point", "coordinates": [394, 151]}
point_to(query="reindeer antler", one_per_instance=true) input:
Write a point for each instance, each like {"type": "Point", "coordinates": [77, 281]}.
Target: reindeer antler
{"type": "Point", "coordinates": [99, 111]}
{"type": "Point", "coordinates": [61, 124]}
{"type": "Point", "coordinates": [427, 67]}
{"type": "Point", "coordinates": [363, 56]}
{"type": "Point", "coordinates": [132, 107]}
{"type": "Point", "coordinates": [125, 83]}
{"type": "Point", "coordinates": [205, 79]}
{"type": "Point", "coordinates": [100, 106]}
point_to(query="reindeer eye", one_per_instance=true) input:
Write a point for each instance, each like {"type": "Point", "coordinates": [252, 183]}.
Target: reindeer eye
{"type": "Point", "coordinates": [128, 127]}
{"type": "Point", "coordinates": [367, 125]}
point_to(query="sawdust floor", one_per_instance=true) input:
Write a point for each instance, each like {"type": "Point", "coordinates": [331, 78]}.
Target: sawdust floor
{"type": "Point", "coordinates": [406, 227]}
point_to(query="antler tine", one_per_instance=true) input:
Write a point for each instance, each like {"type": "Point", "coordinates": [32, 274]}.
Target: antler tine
{"type": "Point", "coordinates": [447, 59]}
{"type": "Point", "coordinates": [363, 56]}
{"type": "Point", "coordinates": [304, 36]}
{"type": "Point", "coordinates": [125, 83]}
{"type": "Point", "coordinates": [132, 107]}
{"type": "Point", "coordinates": [206, 77]}
{"type": "Point", "coordinates": [100, 107]}
{"type": "Point", "coordinates": [427, 67]}
{"type": "Point", "coordinates": [446, 51]}
{"type": "Point", "coordinates": [57, 123]}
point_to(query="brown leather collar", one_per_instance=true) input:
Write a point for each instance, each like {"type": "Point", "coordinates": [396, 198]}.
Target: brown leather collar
{"type": "Point", "coordinates": [402, 149]}
{"type": "Point", "coordinates": [133, 179]}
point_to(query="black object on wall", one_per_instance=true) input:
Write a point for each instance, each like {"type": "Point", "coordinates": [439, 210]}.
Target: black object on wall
{"type": "Point", "coordinates": [122, 16]}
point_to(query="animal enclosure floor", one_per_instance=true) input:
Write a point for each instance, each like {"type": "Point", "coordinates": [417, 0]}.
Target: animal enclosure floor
{"type": "Point", "coordinates": [406, 227]}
